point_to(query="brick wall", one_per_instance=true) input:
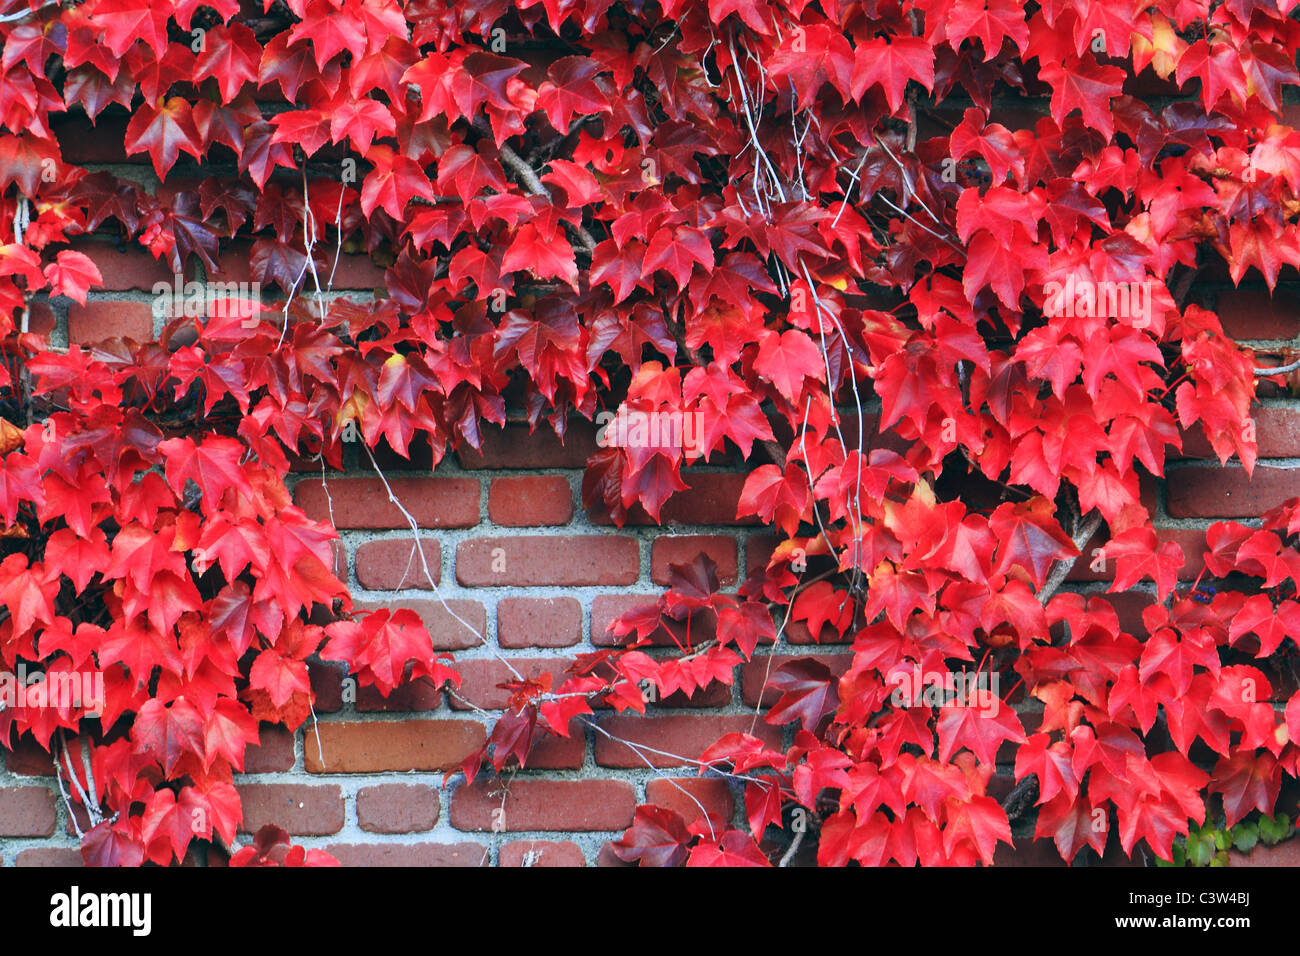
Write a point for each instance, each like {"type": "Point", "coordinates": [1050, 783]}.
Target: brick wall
{"type": "Point", "coordinates": [520, 563]}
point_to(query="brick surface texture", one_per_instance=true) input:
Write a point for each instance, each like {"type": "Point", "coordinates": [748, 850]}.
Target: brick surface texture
{"type": "Point", "coordinates": [517, 569]}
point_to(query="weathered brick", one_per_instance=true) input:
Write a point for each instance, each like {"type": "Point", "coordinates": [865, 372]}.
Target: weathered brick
{"type": "Point", "coordinates": [531, 500]}
{"type": "Point", "coordinates": [27, 811]}
{"type": "Point", "coordinates": [683, 549]}
{"type": "Point", "coordinates": [302, 810]}
{"type": "Point", "coordinates": [326, 685]}
{"type": "Point", "coordinates": [363, 502]}
{"type": "Point", "coordinates": [395, 563]}
{"type": "Point", "coordinates": [539, 622]}
{"type": "Point", "coordinates": [28, 759]}
{"type": "Point", "coordinates": [555, 561]}
{"type": "Point", "coordinates": [129, 269]}
{"type": "Point", "coordinates": [375, 746]}
{"type": "Point", "coordinates": [686, 795]}
{"type": "Point", "coordinates": [480, 679]}
{"type": "Point", "coordinates": [409, 854]}
{"type": "Point", "coordinates": [40, 318]}
{"type": "Point", "coordinates": [397, 808]}
{"type": "Point", "coordinates": [273, 753]}
{"type": "Point", "coordinates": [98, 320]}
{"type": "Point", "coordinates": [1254, 313]}
{"type": "Point", "coordinates": [1195, 492]}
{"type": "Point", "coordinates": [47, 856]}
{"type": "Point", "coordinates": [514, 447]}
{"type": "Point", "coordinates": [578, 805]}
{"type": "Point", "coordinates": [680, 737]}
{"type": "Point", "coordinates": [417, 695]}
{"type": "Point", "coordinates": [552, 752]}
{"type": "Point", "coordinates": [541, 853]}
{"type": "Point", "coordinates": [446, 623]}
{"type": "Point", "coordinates": [758, 550]}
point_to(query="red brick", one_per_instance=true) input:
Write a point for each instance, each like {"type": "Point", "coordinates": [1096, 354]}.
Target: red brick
{"type": "Point", "coordinates": [530, 500]}
{"type": "Point", "coordinates": [557, 561]}
{"type": "Point", "coordinates": [712, 793]}
{"type": "Point", "coordinates": [28, 759]}
{"type": "Point", "coordinates": [1277, 435]}
{"type": "Point", "coordinates": [757, 672]}
{"type": "Point", "coordinates": [363, 502]}
{"type": "Point", "coordinates": [539, 622]}
{"type": "Point", "coordinates": [395, 563]}
{"type": "Point", "coordinates": [326, 686]}
{"type": "Point", "coordinates": [98, 320]}
{"type": "Point", "coordinates": [758, 551]}
{"type": "Point", "coordinates": [1255, 314]}
{"type": "Point", "coordinates": [580, 805]}
{"type": "Point", "coordinates": [514, 447]}
{"type": "Point", "coordinates": [26, 811]}
{"type": "Point", "coordinates": [397, 808]}
{"type": "Point", "coordinates": [47, 856]}
{"type": "Point", "coordinates": [480, 679]}
{"type": "Point", "coordinates": [448, 633]}
{"type": "Point", "coordinates": [130, 269]}
{"type": "Point", "coordinates": [552, 752]}
{"type": "Point", "coordinates": [417, 695]}
{"type": "Point", "coordinates": [302, 810]}
{"type": "Point", "coordinates": [541, 853]}
{"type": "Point", "coordinates": [683, 549]}
{"type": "Point", "coordinates": [273, 753]}
{"type": "Point", "coordinates": [375, 746]}
{"type": "Point", "coordinates": [710, 498]}
{"type": "Point", "coordinates": [1195, 492]}
{"type": "Point", "coordinates": [409, 854]}
{"type": "Point", "coordinates": [40, 318]}
{"type": "Point", "coordinates": [681, 737]}
{"type": "Point", "coordinates": [356, 272]}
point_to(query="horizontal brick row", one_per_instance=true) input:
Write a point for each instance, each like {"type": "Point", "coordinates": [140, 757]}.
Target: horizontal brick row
{"type": "Point", "coordinates": [492, 804]}
{"type": "Point", "coordinates": [548, 561]}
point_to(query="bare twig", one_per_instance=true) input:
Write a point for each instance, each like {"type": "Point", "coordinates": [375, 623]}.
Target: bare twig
{"type": "Point", "coordinates": [1280, 370]}
{"type": "Point", "coordinates": [534, 185]}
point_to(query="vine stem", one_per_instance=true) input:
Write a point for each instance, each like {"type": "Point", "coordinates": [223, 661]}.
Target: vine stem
{"type": "Point", "coordinates": [1280, 370]}
{"type": "Point", "coordinates": [1062, 568]}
